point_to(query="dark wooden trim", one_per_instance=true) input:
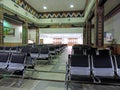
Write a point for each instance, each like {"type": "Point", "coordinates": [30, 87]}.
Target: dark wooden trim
{"type": "Point", "coordinates": [32, 26]}
{"type": "Point", "coordinates": [75, 11]}
{"type": "Point", "coordinates": [89, 32]}
{"type": "Point", "coordinates": [91, 15]}
{"type": "Point", "coordinates": [13, 18]}
{"type": "Point", "coordinates": [99, 26]}
{"type": "Point", "coordinates": [113, 12]}
{"type": "Point", "coordinates": [30, 6]}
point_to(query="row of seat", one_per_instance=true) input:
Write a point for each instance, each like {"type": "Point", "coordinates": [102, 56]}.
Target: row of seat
{"type": "Point", "coordinates": [43, 53]}
{"type": "Point", "coordinates": [20, 60]}
{"type": "Point", "coordinates": [95, 67]}
{"type": "Point", "coordinates": [37, 52]}
{"type": "Point", "coordinates": [40, 54]}
{"type": "Point", "coordinates": [91, 52]}
{"type": "Point", "coordinates": [13, 63]}
{"type": "Point", "coordinates": [58, 48]}
{"type": "Point", "coordinates": [8, 49]}
{"type": "Point", "coordinates": [81, 47]}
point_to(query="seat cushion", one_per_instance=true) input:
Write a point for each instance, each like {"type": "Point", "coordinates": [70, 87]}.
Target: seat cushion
{"type": "Point", "coordinates": [103, 72]}
{"type": "Point", "coordinates": [80, 71]}
{"type": "Point", "coordinates": [43, 56]}
{"type": "Point", "coordinates": [15, 67]}
{"type": "Point", "coordinates": [118, 72]}
{"type": "Point", "coordinates": [3, 65]}
{"type": "Point", "coordinates": [34, 55]}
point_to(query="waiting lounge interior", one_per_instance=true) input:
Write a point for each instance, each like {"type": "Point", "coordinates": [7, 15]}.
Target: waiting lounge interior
{"type": "Point", "coordinates": [59, 44]}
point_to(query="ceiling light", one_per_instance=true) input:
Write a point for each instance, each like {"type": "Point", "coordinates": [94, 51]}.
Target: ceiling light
{"type": "Point", "coordinates": [71, 6]}
{"type": "Point", "coordinates": [44, 7]}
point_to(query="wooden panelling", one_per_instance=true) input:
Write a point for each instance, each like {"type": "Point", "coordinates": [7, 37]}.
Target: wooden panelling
{"type": "Point", "coordinates": [118, 49]}
{"type": "Point", "coordinates": [12, 44]}
{"type": "Point", "coordinates": [115, 48]}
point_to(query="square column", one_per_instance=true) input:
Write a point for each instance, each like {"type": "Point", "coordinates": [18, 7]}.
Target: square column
{"type": "Point", "coordinates": [99, 25]}
{"type": "Point", "coordinates": [25, 33]}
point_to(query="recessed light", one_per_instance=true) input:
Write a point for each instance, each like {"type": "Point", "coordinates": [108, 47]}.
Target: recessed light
{"type": "Point", "coordinates": [44, 7]}
{"type": "Point", "coordinates": [71, 6]}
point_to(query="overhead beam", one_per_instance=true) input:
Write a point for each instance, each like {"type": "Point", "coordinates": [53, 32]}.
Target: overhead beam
{"type": "Point", "coordinates": [89, 8]}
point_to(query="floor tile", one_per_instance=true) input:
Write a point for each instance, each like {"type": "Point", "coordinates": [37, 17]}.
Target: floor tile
{"type": "Point", "coordinates": [50, 76]}
{"type": "Point", "coordinates": [55, 88]}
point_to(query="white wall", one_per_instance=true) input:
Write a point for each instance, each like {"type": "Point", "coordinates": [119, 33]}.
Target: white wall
{"type": "Point", "coordinates": [49, 38]}
{"type": "Point", "coordinates": [116, 29]}
{"type": "Point", "coordinates": [17, 38]}
{"type": "Point", "coordinates": [112, 25]}
{"type": "Point", "coordinates": [60, 30]}
{"type": "Point", "coordinates": [47, 34]}
{"type": "Point", "coordinates": [32, 35]}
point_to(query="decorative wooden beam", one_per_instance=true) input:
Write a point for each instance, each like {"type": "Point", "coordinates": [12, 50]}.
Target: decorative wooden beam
{"type": "Point", "coordinates": [88, 33]}
{"type": "Point", "coordinates": [99, 25]}
{"type": "Point", "coordinates": [84, 35]}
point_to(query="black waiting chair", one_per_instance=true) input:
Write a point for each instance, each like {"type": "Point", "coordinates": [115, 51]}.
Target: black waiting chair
{"type": "Point", "coordinates": [17, 65]}
{"type": "Point", "coordinates": [78, 68]}
{"type": "Point", "coordinates": [34, 52]}
{"type": "Point", "coordinates": [117, 64]}
{"type": "Point", "coordinates": [44, 54]}
{"type": "Point", "coordinates": [7, 49]}
{"type": "Point", "coordinates": [91, 52]}
{"type": "Point", "coordinates": [14, 49]}
{"type": "Point", "coordinates": [102, 67]}
{"type": "Point", "coordinates": [58, 50]}
{"type": "Point", "coordinates": [31, 57]}
{"type": "Point", "coordinates": [25, 50]}
{"type": "Point", "coordinates": [4, 59]}
{"type": "Point", "coordinates": [78, 52]}
{"type": "Point", "coordinates": [52, 51]}
{"type": "Point", "coordinates": [34, 55]}
{"type": "Point", "coordinates": [104, 52]}
{"type": "Point", "coordinates": [2, 48]}
{"type": "Point", "coordinates": [80, 64]}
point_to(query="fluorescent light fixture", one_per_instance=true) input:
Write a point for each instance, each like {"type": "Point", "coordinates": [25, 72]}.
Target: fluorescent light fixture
{"type": "Point", "coordinates": [71, 6]}
{"type": "Point", "coordinates": [44, 7]}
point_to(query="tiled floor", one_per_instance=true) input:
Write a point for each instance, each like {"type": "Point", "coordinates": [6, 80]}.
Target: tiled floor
{"type": "Point", "coordinates": [50, 77]}
{"type": "Point", "coordinates": [45, 77]}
